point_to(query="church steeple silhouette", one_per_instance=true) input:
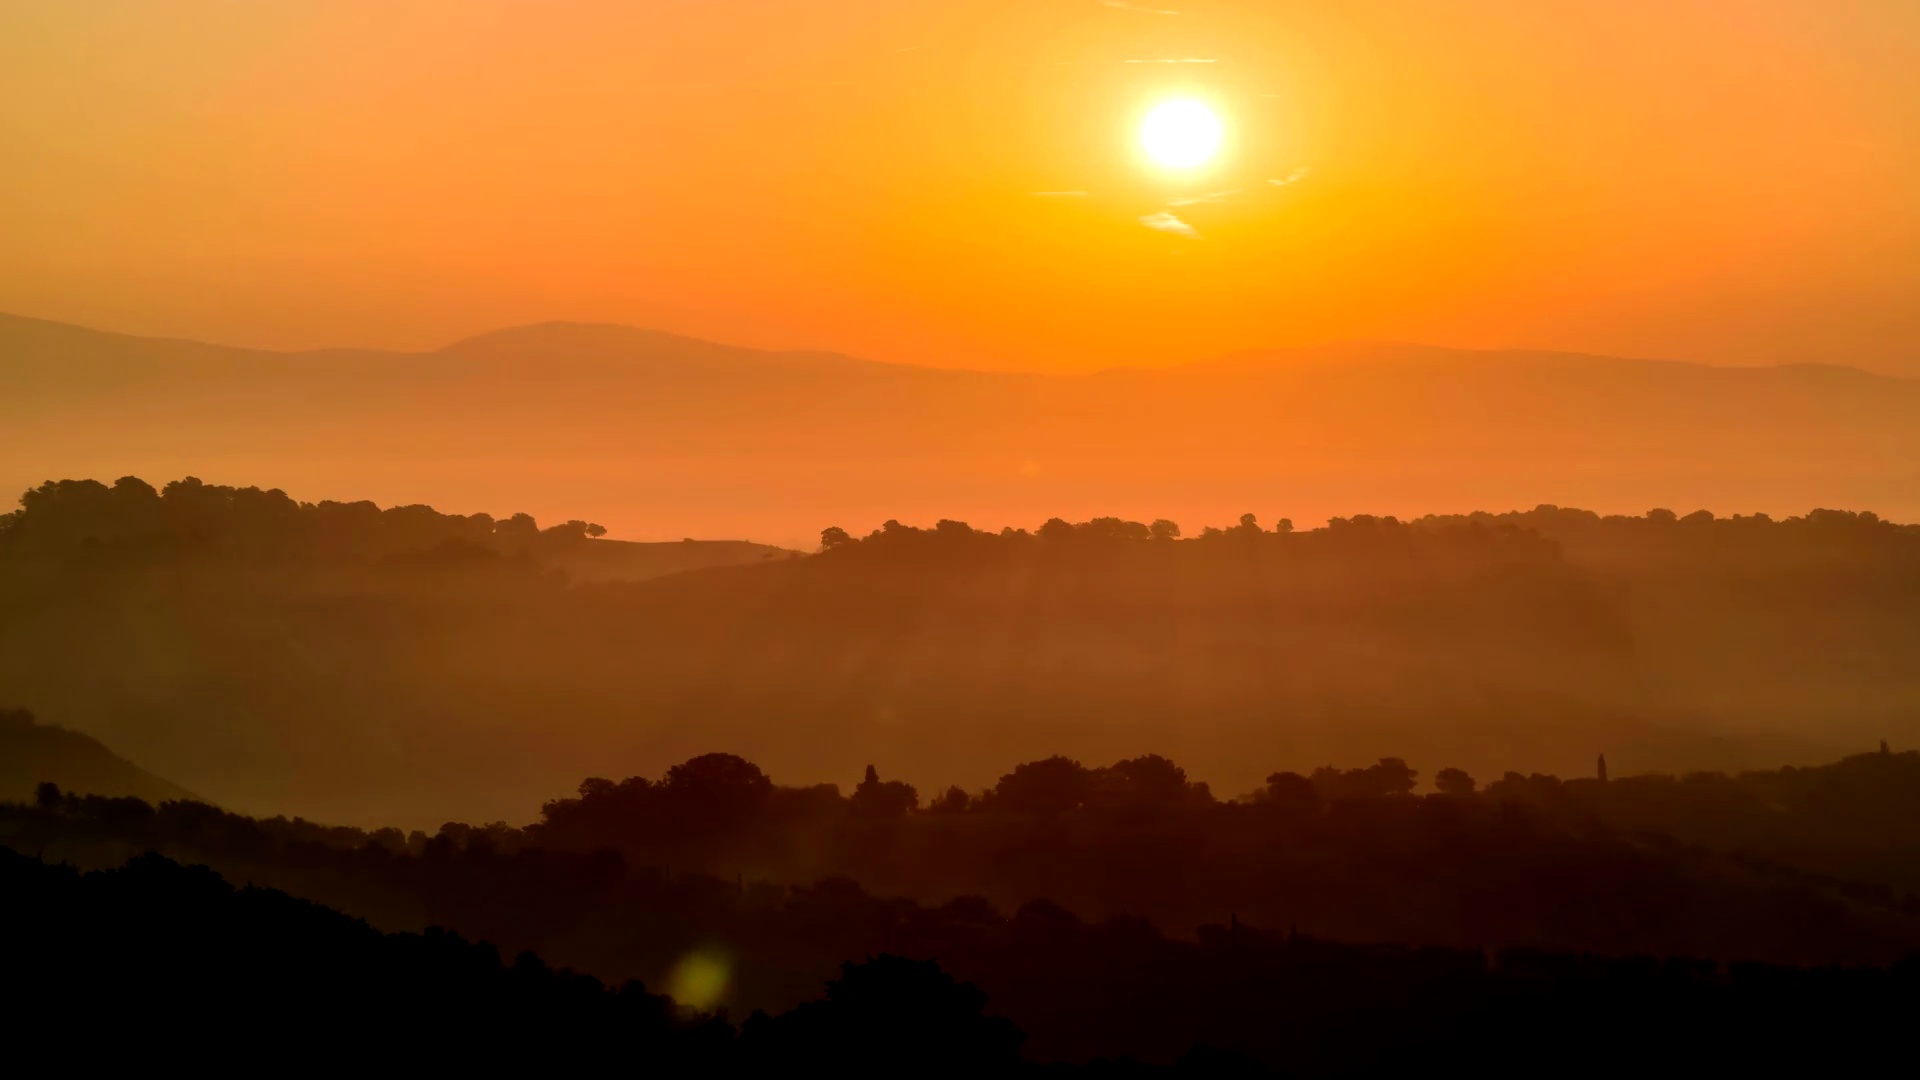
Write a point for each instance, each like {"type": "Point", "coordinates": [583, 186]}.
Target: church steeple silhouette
{"type": "Point", "coordinates": [1603, 768]}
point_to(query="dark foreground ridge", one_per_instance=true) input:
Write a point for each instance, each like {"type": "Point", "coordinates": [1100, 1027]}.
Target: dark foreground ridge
{"type": "Point", "coordinates": [1627, 911]}
{"type": "Point", "coordinates": [165, 955]}
{"type": "Point", "coordinates": [180, 966]}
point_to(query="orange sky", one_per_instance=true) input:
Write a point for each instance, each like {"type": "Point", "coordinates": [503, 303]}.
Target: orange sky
{"type": "Point", "coordinates": [1696, 179]}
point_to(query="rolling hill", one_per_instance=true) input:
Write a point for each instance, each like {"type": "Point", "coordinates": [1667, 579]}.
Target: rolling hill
{"type": "Point", "coordinates": [348, 663]}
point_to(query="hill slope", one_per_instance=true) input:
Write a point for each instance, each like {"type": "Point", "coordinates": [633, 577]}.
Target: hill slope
{"type": "Point", "coordinates": [33, 753]}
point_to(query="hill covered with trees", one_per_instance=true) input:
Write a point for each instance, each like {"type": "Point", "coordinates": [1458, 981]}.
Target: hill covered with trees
{"type": "Point", "coordinates": [1346, 924]}
{"type": "Point", "coordinates": [151, 950]}
{"type": "Point", "coordinates": [286, 977]}
{"type": "Point", "coordinates": [399, 665]}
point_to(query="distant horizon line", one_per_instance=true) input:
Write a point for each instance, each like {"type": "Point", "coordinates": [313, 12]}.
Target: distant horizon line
{"type": "Point", "coordinates": [1229, 356]}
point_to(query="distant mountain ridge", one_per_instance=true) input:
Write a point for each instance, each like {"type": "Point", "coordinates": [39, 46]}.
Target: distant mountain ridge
{"type": "Point", "coordinates": [547, 340]}
{"type": "Point", "coordinates": [663, 436]}
{"type": "Point", "coordinates": [1397, 351]}
{"type": "Point", "coordinates": [570, 338]}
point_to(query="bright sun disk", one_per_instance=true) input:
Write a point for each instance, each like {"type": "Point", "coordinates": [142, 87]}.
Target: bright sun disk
{"type": "Point", "coordinates": [1181, 134]}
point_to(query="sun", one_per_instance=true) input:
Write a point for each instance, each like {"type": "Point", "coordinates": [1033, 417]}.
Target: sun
{"type": "Point", "coordinates": [1182, 134]}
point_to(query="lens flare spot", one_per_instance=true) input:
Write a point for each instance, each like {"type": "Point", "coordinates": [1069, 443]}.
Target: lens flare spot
{"type": "Point", "coordinates": [699, 980]}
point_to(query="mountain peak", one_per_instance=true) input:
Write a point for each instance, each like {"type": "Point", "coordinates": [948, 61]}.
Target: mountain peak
{"type": "Point", "coordinates": [629, 346]}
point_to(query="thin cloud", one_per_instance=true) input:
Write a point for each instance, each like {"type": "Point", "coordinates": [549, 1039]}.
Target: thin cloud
{"type": "Point", "coordinates": [1061, 194]}
{"type": "Point", "coordinates": [1167, 223]}
{"type": "Point", "coordinates": [763, 84]}
{"type": "Point", "coordinates": [1209, 197]}
{"type": "Point", "coordinates": [1124, 6]}
{"type": "Point", "coordinates": [1293, 177]}
{"type": "Point", "coordinates": [1174, 60]}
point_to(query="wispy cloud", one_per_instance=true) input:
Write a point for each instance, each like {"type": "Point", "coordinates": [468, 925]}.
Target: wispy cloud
{"type": "Point", "coordinates": [1174, 60]}
{"type": "Point", "coordinates": [1061, 194]}
{"type": "Point", "coordinates": [909, 48]}
{"type": "Point", "coordinates": [1209, 197]}
{"type": "Point", "coordinates": [1293, 177]}
{"type": "Point", "coordinates": [1167, 223]}
{"type": "Point", "coordinates": [1124, 6]}
{"type": "Point", "coordinates": [758, 84]}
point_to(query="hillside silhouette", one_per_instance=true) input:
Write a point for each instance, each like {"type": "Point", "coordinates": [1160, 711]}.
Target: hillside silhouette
{"type": "Point", "coordinates": [32, 753]}
{"type": "Point", "coordinates": [400, 665]}
{"type": "Point", "coordinates": [1511, 919]}
{"type": "Point", "coordinates": [1818, 863]}
{"type": "Point", "coordinates": [652, 433]}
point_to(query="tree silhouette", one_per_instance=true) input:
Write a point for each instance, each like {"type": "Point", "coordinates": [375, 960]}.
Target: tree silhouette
{"type": "Point", "coordinates": [1291, 793]}
{"type": "Point", "coordinates": [1045, 788]}
{"type": "Point", "coordinates": [883, 799]}
{"type": "Point", "coordinates": [952, 801]}
{"type": "Point", "coordinates": [1147, 779]}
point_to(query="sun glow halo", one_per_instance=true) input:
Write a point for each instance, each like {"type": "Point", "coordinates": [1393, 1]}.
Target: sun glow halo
{"type": "Point", "coordinates": [1182, 134]}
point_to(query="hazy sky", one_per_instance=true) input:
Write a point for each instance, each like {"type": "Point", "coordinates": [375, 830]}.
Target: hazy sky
{"type": "Point", "coordinates": [1703, 179]}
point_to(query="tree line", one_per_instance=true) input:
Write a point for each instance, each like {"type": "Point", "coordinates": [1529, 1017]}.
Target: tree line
{"type": "Point", "coordinates": [189, 516]}
{"type": "Point", "coordinates": [1792, 865]}
{"type": "Point", "coordinates": [1546, 520]}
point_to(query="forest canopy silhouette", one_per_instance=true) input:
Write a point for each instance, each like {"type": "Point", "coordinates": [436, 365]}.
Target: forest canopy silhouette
{"type": "Point", "coordinates": [1531, 914]}
{"type": "Point", "coordinates": [402, 664]}
{"type": "Point", "coordinates": [277, 970]}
